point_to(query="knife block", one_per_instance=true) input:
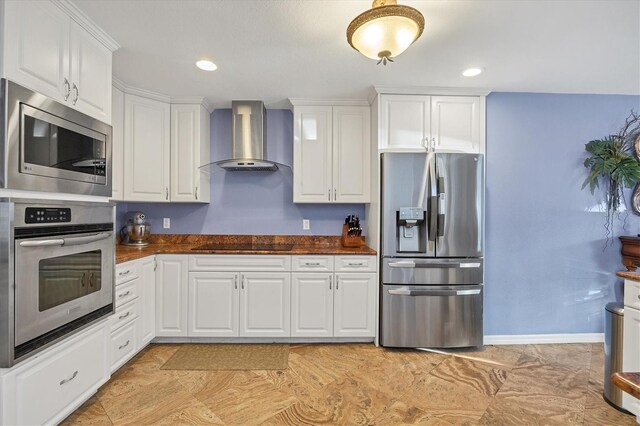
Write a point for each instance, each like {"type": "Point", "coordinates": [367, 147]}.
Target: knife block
{"type": "Point", "coordinates": [350, 241]}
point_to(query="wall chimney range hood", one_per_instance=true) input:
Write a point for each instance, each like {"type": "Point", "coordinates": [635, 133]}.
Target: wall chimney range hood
{"type": "Point", "coordinates": [249, 128]}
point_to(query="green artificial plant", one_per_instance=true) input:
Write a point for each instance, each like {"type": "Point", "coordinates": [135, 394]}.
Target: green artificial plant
{"type": "Point", "coordinates": [611, 162]}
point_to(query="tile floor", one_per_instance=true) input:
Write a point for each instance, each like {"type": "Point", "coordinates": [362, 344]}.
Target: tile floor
{"type": "Point", "coordinates": [360, 384]}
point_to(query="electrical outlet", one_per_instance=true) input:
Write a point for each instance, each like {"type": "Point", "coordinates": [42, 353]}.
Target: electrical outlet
{"type": "Point", "coordinates": [166, 223]}
{"type": "Point", "coordinates": [306, 224]}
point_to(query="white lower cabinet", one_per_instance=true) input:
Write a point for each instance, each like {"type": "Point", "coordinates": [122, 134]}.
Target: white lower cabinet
{"type": "Point", "coordinates": [147, 292]}
{"type": "Point", "coordinates": [124, 344]}
{"type": "Point", "coordinates": [631, 350]}
{"type": "Point", "coordinates": [265, 304]}
{"type": "Point", "coordinates": [354, 305]}
{"type": "Point", "coordinates": [214, 304]}
{"type": "Point", "coordinates": [48, 387]}
{"type": "Point", "coordinates": [311, 304]}
{"type": "Point", "coordinates": [171, 295]}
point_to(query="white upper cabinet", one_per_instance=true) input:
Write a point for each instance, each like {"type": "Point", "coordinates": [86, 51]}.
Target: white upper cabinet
{"type": "Point", "coordinates": [48, 51]}
{"type": "Point", "coordinates": [419, 123]}
{"type": "Point", "coordinates": [90, 75]}
{"type": "Point", "coordinates": [455, 123]}
{"type": "Point", "coordinates": [117, 144]}
{"type": "Point", "coordinates": [189, 150]}
{"type": "Point", "coordinates": [331, 146]}
{"type": "Point", "coordinates": [146, 149]}
{"type": "Point", "coordinates": [405, 122]}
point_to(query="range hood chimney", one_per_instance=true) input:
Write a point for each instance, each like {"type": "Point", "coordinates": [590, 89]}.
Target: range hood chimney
{"type": "Point", "coordinates": [249, 129]}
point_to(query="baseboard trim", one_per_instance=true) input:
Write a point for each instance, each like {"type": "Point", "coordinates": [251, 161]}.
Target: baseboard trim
{"type": "Point", "coordinates": [528, 339]}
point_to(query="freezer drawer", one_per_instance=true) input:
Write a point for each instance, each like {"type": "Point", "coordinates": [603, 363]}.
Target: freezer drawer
{"type": "Point", "coordinates": [431, 316]}
{"type": "Point", "coordinates": [421, 271]}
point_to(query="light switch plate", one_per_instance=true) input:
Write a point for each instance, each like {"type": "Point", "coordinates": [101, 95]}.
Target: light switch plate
{"type": "Point", "coordinates": [306, 225]}
{"type": "Point", "coordinates": [166, 223]}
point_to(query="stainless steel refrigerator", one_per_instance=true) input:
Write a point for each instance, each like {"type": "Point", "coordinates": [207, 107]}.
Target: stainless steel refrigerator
{"type": "Point", "coordinates": [432, 250]}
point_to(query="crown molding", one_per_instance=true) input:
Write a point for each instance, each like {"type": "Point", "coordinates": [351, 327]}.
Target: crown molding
{"type": "Point", "coordinates": [193, 100]}
{"type": "Point", "coordinates": [328, 102]}
{"type": "Point", "coordinates": [422, 90]}
{"type": "Point", "coordinates": [121, 85]}
{"type": "Point", "coordinates": [147, 94]}
{"type": "Point", "coordinates": [87, 23]}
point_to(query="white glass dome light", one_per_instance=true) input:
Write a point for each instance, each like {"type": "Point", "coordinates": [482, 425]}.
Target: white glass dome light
{"type": "Point", "coordinates": [206, 65]}
{"type": "Point", "coordinates": [385, 31]}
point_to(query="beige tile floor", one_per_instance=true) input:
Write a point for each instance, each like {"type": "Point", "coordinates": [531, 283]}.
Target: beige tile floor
{"type": "Point", "coordinates": [360, 384]}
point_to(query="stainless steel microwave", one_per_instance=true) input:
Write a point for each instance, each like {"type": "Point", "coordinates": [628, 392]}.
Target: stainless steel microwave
{"type": "Point", "coordinates": [48, 146]}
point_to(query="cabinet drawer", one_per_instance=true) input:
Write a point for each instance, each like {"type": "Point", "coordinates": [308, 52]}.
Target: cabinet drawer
{"type": "Point", "coordinates": [126, 292]}
{"type": "Point", "coordinates": [355, 263]}
{"type": "Point", "coordinates": [43, 391]}
{"type": "Point", "coordinates": [632, 294]}
{"type": "Point", "coordinates": [125, 313]}
{"type": "Point", "coordinates": [127, 271]}
{"type": "Point", "coordinates": [123, 345]}
{"type": "Point", "coordinates": [235, 263]}
{"type": "Point", "coordinates": [312, 263]}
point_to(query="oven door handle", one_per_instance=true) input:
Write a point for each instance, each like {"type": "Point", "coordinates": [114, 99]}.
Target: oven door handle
{"type": "Point", "coordinates": [76, 241]}
{"type": "Point", "coordinates": [42, 243]}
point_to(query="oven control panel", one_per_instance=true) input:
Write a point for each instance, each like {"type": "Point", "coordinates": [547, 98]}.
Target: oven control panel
{"type": "Point", "coordinates": [47, 215]}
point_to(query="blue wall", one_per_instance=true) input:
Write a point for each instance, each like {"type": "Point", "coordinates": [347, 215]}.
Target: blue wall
{"type": "Point", "coordinates": [248, 202]}
{"type": "Point", "coordinates": [547, 270]}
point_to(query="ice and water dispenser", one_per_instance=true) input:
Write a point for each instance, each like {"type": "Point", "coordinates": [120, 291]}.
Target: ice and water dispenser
{"type": "Point", "coordinates": [411, 227]}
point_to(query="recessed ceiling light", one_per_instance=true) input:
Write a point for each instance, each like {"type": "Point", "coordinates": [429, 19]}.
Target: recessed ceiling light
{"type": "Point", "coordinates": [472, 72]}
{"type": "Point", "coordinates": [205, 65]}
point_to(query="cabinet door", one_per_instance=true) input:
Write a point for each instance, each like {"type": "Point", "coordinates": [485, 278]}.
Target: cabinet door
{"type": "Point", "coordinates": [186, 141]}
{"type": "Point", "coordinates": [146, 149]}
{"type": "Point", "coordinates": [147, 300]}
{"type": "Point", "coordinates": [90, 75]}
{"type": "Point", "coordinates": [455, 123]}
{"type": "Point", "coordinates": [312, 159]}
{"type": "Point", "coordinates": [265, 305]}
{"type": "Point", "coordinates": [311, 305]}
{"type": "Point", "coordinates": [631, 353]}
{"type": "Point", "coordinates": [117, 144]}
{"type": "Point", "coordinates": [351, 149]}
{"type": "Point", "coordinates": [37, 47]}
{"type": "Point", "coordinates": [171, 295]}
{"type": "Point", "coordinates": [213, 304]}
{"type": "Point", "coordinates": [405, 122]}
{"type": "Point", "coordinates": [354, 305]}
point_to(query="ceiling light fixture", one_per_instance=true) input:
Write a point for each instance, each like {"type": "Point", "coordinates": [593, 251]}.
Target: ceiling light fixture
{"type": "Point", "coordinates": [472, 72]}
{"type": "Point", "coordinates": [385, 31]}
{"type": "Point", "coordinates": [206, 65]}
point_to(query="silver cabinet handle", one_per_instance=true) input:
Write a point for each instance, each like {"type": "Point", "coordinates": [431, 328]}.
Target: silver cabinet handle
{"type": "Point", "coordinates": [121, 317]}
{"type": "Point", "coordinates": [235, 281]}
{"type": "Point", "coordinates": [424, 143]}
{"type": "Point", "coordinates": [243, 282]}
{"type": "Point", "coordinates": [166, 193]}
{"type": "Point", "coordinates": [407, 292]}
{"type": "Point", "coordinates": [67, 89]}
{"type": "Point", "coordinates": [124, 346]}
{"type": "Point", "coordinates": [433, 144]}
{"type": "Point", "coordinates": [329, 194]}
{"type": "Point", "coordinates": [76, 241]}
{"type": "Point", "coordinates": [75, 98]}
{"type": "Point", "coordinates": [330, 279]}
{"type": "Point", "coordinates": [196, 192]}
{"type": "Point", "coordinates": [125, 294]}
{"type": "Point", "coordinates": [122, 274]}
{"type": "Point", "coordinates": [355, 264]}
{"type": "Point", "coordinates": [75, 374]}
{"type": "Point", "coordinates": [335, 197]}
{"type": "Point", "coordinates": [337, 283]}
{"type": "Point", "coordinates": [42, 243]}
{"type": "Point", "coordinates": [311, 263]}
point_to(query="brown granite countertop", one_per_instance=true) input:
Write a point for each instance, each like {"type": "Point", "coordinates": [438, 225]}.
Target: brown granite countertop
{"type": "Point", "coordinates": [185, 244]}
{"type": "Point", "coordinates": [629, 275]}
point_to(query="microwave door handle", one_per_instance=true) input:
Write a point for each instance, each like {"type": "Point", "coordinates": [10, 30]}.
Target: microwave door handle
{"type": "Point", "coordinates": [75, 241]}
{"type": "Point", "coordinates": [407, 292]}
{"type": "Point", "coordinates": [42, 243]}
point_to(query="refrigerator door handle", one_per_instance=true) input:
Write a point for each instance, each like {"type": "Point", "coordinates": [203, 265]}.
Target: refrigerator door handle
{"type": "Point", "coordinates": [412, 264]}
{"type": "Point", "coordinates": [407, 292]}
{"type": "Point", "coordinates": [433, 199]}
{"type": "Point", "coordinates": [442, 207]}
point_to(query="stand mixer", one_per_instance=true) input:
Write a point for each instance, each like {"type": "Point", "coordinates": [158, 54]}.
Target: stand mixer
{"type": "Point", "coordinates": [136, 231]}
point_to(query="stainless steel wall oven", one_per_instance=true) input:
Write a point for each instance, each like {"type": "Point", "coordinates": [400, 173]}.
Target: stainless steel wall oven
{"type": "Point", "coordinates": [48, 146]}
{"type": "Point", "coordinates": [57, 261]}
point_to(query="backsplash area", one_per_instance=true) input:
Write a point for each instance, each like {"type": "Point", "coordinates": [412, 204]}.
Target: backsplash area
{"type": "Point", "coordinates": [248, 202]}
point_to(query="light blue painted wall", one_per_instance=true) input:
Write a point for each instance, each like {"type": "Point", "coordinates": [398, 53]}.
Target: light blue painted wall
{"type": "Point", "coordinates": [248, 202]}
{"type": "Point", "coordinates": [547, 270]}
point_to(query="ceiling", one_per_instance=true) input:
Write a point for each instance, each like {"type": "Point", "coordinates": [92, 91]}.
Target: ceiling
{"type": "Point", "coordinates": [277, 49]}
